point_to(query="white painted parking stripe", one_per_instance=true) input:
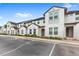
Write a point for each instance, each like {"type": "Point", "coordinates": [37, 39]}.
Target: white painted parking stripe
{"type": "Point", "coordinates": [51, 52]}
{"type": "Point", "coordinates": [14, 49]}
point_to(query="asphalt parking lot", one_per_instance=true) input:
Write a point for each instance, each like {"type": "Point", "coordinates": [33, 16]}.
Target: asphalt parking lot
{"type": "Point", "coordinates": [10, 46]}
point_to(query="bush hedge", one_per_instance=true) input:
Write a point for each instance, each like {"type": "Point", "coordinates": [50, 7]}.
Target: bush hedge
{"type": "Point", "coordinates": [31, 35]}
{"type": "Point", "coordinates": [3, 34]}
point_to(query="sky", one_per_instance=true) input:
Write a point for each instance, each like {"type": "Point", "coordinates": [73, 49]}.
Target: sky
{"type": "Point", "coordinates": [17, 12]}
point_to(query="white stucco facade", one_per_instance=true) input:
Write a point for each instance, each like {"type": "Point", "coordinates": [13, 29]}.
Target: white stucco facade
{"type": "Point", "coordinates": [33, 27]}
{"type": "Point", "coordinates": [51, 23]}
{"type": "Point", "coordinates": [23, 30]}
{"type": "Point", "coordinates": [56, 21]}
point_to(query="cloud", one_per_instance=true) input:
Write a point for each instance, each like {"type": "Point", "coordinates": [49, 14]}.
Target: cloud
{"type": "Point", "coordinates": [23, 15]}
{"type": "Point", "coordinates": [67, 5]}
{"type": "Point", "coordinates": [71, 6]}
{"type": "Point", "coordinates": [1, 17]}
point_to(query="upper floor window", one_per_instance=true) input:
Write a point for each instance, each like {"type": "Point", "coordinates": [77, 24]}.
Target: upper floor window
{"type": "Point", "coordinates": [56, 15]}
{"type": "Point", "coordinates": [5, 26]}
{"type": "Point", "coordinates": [50, 15]}
{"type": "Point", "coordinates": [38, 22]}
{"type": "Point", "coordinates": [43, 21]}
{"type": "Point", "coordinates": [70, 15]}
{"type": "Point", "coordinates": [20, 25]}
{"type": "Point", "coordinates": [77, 18]}
{"type": "Point", "coordinates": [34, 22]}
{"type": "Point", "coordinates": [51, 18]}
{"type": "Point", "coordinates": [53, 15]}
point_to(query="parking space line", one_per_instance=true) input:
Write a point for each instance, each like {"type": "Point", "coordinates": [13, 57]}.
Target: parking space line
{"type": "Point", "coordinates": [51, 52]}
{"type": "Point", "coordinates": [13, 49]}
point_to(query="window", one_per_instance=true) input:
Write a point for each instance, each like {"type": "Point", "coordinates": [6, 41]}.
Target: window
{"type": "Point", "coordinates": [50, 31]}
{"type": "Point", "coordinates": [34, 32]}
{"type": "Point", "coordinates": [33, 22]}
{"type": "Point", "coordinates": [20, 25]}
{"type": "Point", "coordinates": [55, 30]}
{"type": "Point", "coordinates": [50, 15]}
{"type": "Point", "coordinates": [56, 15]}
{"type": "Point", "coordinates": [51, 18]}
{"type": "Point", "coordinates": [12, 31]}
{"type": "Point", "coordinates": [77, 18]}
{"type": "Point", "coordinates": [5, 26]}
{"type": "Point", "coordinates": [43, 21]}
{"type": "Point", "coordinates": [53, 15]}
{"type": "Point", "coordinates": [70, 15]}
{"type": "Point", "coordinates": [8, 25]}
{"type": "Point", "coordinates": [38, 22]}
{"type": "Point", "coordinates": [30, 31]}
{"type": "Point", "coordinates": [21, 31]}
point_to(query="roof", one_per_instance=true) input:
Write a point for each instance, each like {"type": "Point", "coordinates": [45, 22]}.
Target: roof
{"type": "Point", "coordinates": [23, 26]}
{"type": "Point", "coordinates": [0, 27]}
{"type": "Point", "coordinates": [53, 7]}
{"type": "Point", "coordinates": [74, 23]}
{"type": "Point", "coordinates": [31, 20]}
{"type": "Point", "coordinates": [12, 22]}
{"type": "Point", "coordinates": [35, 24]}
{"type": "Point", "coordinates": [15, 27]}
{"type": "Point", "coordinates": [71, 12]}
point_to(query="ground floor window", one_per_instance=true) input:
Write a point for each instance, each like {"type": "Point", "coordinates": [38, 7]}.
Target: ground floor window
{"type": "Point", "coordinates": [30, 31]}
{"type": "Point", "coordinates": [12, 31]}
{"type": "Point", "coordinates": [50, 31]}
{"type": "Point", "coordinates": [21, 31]}
{"type": "Point", "coordinates": [55, 30]}
{"type": "Point", "coordinates": [8, 32]}
{"type": "Point", "coordinates": [34, 32]}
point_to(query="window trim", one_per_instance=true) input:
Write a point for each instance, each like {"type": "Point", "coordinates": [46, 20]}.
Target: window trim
{"type": "Point", "coordinates": [77, 18]}
{"type": "Point", "coordinates": [30, 32]}
{"type": "Point", "coordinates": [54, 13]}
{"type": "Point", "coordinates": [38, 22]}
{"type": "Point", "coordinates": [50, 30]}
{"type": "Point", "coordinates": [55, 30]}
{"type": "Point", "coordinates": [34, 31]}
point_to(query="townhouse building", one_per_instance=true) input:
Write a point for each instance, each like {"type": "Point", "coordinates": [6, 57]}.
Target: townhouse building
{"type": "Point", "coordinates": [56, 22]}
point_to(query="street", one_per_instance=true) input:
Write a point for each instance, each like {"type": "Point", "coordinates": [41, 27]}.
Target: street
{"type": "Point", "coordinates": [10, 46]}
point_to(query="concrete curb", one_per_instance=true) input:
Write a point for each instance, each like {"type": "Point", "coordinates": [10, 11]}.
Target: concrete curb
{"type": "Point", "coordinates": [45, 40]}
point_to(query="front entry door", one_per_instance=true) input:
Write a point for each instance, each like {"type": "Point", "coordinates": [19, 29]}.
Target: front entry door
{"type": "Point", "coordinates": [42, 32]}
{"type": "Point", "coordinates": [69, 31]}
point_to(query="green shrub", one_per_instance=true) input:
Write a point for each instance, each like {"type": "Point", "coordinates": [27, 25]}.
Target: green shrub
{"type": "Point", "coordinates": [65, 38]}
{"type": "Point", "coordinates": [30, 35]}
{"type": "Point", "coordinates": [45, 37]}
{"type": "Point", "coordinates": [58, 38]}
{"type": "Point", "coordinates": [19, 35]}
{"type": "Point", "coordinates": [3, 34]}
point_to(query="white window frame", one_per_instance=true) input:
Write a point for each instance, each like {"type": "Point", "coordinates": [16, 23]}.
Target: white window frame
{"type": "Point", "coordinates": [55, 30]}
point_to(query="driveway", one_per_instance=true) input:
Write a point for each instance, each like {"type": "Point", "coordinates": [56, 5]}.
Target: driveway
{"type": "Point", "coordinates": [10, 46]}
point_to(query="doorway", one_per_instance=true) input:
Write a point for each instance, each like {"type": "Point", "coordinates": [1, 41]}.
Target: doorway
{"type": "Point", "coordinates": [42, 32]}
{"type": "Point", "coordinates": [69, 31]}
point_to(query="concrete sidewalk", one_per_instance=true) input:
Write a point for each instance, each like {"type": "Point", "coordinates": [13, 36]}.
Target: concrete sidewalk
{"type": "Point", "coordinates": [74, 42]}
